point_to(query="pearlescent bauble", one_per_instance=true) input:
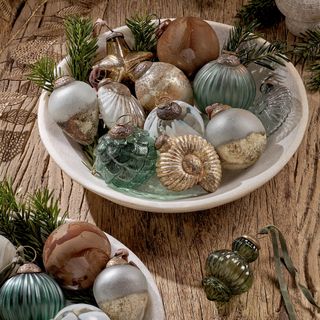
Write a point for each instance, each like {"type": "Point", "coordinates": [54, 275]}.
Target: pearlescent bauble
{"type": "Point", "coordinates": [121, 291]}
{"type": "Point", "coordinates": [73, 105]}
{"type": "Point", "coordinates": [157, 80]}
{"type": "Point", "coordinates": [164, 120]}
{"type": "Point", "coordinates": [188, 43]}
{"type": "Point", "coordinates": [81, 311]}
{"type": "Point", "coordinates": [75, 253]}
{"type": "Point", "coordinates": [226, 81]}
{"type": "Point", "coordinates": [238, 136]}
{"type": "Point", "coordinates": [7, 252]}
{"type": "Point", "coordinates": [30, 296]}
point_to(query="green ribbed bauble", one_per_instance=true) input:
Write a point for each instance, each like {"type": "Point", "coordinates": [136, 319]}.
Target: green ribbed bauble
{"type": "Point", "coordinates": [228, 272]}
{"type": "Point", "coordinates": [225, 81]}
{"type": "Point", "coordinates": [30, 295]}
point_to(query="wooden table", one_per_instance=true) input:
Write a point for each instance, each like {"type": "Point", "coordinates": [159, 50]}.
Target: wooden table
{"type": "Point", "coordinates": [173, 246]}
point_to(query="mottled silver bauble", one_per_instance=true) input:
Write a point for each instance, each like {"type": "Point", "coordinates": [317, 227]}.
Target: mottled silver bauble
{"type": "Point", "coordinates": [81, 311]}
{"type": "Point", "coordinates": [238, 136]}
{"type": "Point", "coordinates": [121, 292]}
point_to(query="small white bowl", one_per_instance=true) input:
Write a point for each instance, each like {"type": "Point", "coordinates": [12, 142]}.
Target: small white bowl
{"type": "Point", "coordinates": [281, 147]}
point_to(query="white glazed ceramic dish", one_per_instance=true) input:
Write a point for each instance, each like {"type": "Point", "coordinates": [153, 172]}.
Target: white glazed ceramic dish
{"type": "Point", "coordinates": [281, 147]}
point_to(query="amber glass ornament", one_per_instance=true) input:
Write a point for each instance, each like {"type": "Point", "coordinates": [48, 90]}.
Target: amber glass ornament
{"type": "Point", "coordinates": [188, 43]}
{"type": "Point", "coordinates": [228, 272]}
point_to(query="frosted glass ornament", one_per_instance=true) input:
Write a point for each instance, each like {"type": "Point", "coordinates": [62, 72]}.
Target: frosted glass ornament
{"type": "Point", "coordinates": [7, 252]}
{"type": "Point", "coordinates": [81, 311]}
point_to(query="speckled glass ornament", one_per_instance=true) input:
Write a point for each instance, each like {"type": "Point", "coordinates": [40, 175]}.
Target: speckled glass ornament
{"type": "Point", "coordinates": [30, 295]}
{"type": "Point", "coordinates": [125, 157]}
{"type": "Point", "coordinates": [238, 136]}
{"type": "Point", "coordinates": [273, 106]}
{"type": "Point", "coordinates": [81, 311]}
{"type": "Point", "coordinates": [228, 272]}
{"type": "Point", "coordinates": [174, 118]}
{"type": "Point", "coordinates": [75, 253]}
{"type": "Point", "coordinates": [226, 81]}
{"type": "Point", "coordinates": [121, 290]}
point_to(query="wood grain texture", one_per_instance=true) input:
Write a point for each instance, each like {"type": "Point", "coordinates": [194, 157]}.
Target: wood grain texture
{"type": "Point", "coordinates": [174, 246]}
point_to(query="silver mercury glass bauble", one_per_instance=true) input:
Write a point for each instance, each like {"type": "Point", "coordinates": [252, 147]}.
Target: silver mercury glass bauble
{"type": "Point", "coordinates": [238, 136]}
{"type": "Point", "coordinates": [73, 105]}
{"type": "Point", "coordinates": [121, 290]}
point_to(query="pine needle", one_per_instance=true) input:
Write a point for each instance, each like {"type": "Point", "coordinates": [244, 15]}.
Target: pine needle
{"type": "Point", "coordinates": [143, 30]}
{"type": "Point", "coordinates": [314, 81]}
{"type": "Point", "coordinates": [81, 46]}
{"type": "Point", "coordinates": [43, 73]}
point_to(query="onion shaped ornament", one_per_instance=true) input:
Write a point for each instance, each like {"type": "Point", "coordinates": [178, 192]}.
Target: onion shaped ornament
{"type": "Point", "coordinates": [187, 161]}
{"type": "Point", "coordinates": [228, 272]}
{"type": "Point", "coordinates": [30, 295]}
{"type": "Point", "coordinates": [226, 81]}
{"type": "Point", "coordinates": [121, 290]}
{"type": "Point", "coordinates": [75, 253]}
{"type": "Point", "coordinates": [188, 43]}
{"type": "Point", "coordinates": [117, 105]}
{"type": "Point", "coordinates": [73, 105]}
{"type": "Point", "coordinates": [238, 136]}
{"type": "Point", "coordinates": [125, 157]}
{"type": "Point", "coordinates": [174, 118]}
{"type": "Point", "coordinates": [157, 80]}
{"type": "Point", "coordinates": [81, 311]}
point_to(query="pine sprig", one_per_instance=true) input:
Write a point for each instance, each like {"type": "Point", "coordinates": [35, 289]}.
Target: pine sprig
{"type": "Point", "coordinates": [143, 30]}
{"type": "Point", "coordinates": [265, 12]}
{"type": "Point", "coordinates": [43, 73]}
{"type": "Point", "coordinates": [81, 46]}
{"type": "Point", "coordinates": [314, 81]}
{"type": "Point", "coordinates": [28, 222]}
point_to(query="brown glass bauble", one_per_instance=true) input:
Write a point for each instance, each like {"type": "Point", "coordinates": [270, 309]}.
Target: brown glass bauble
{"type": "Point", "coordinates": [188, 43]}
{"type": "Point", "coordinates": [75, 253]}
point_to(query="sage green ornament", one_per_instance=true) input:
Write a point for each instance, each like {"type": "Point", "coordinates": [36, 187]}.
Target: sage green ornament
{"type": "Point", "coordinates": [226, 81]}
{"type": "Point", "coordinates": [126, 156]}
{"type": "Point", "coordinates": [228, 272]}
{"type": "Point", "coordinates": [30, 295]}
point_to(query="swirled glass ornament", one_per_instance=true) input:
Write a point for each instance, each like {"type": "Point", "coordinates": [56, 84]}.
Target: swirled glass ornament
{"type": "Point", "coordinates": [30, 295]}
{"type": "Point", "coordinates": [226, 81]}
{"type": "Point", "coordinates": [126, 156]}
{"type": "Point", "coordinates": [228, 272]}
{"type": "Point", "coordinates": [174, 118]}
{"type": "Point", "coordinates": [273, 106]}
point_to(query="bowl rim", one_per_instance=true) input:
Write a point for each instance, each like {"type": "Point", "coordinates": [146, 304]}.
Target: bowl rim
{"type": "Point", "coordinates": [185, 204]}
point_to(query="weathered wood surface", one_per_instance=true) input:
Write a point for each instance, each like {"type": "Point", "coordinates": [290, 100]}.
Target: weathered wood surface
{"type": "Point", "coordinates": [174, 246]}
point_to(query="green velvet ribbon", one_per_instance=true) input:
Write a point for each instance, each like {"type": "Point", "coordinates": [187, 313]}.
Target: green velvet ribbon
{"type": "Point", "coordinates": [281, 256]}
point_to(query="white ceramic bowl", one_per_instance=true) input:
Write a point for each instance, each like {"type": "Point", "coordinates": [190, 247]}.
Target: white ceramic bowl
{"type": "Point", "coordinates": [281, 146]}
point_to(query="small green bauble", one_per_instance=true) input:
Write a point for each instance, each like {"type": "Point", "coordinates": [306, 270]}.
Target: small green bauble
{"type": "Point", "coordinates": [228, 272]}
{"type": "Point", "coordinates": [126, 156]}
{"type": "Point", "coordinates": [30, 295]}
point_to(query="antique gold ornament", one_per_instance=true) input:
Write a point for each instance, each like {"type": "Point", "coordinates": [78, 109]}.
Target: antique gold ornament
{"type": "Point", "coordinates": [187, 161]}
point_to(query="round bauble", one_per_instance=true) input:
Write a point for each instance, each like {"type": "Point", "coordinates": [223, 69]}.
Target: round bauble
{"type": "Point", "coordinates": [30, 295]}
{"type": "Point", "coordinates": [121, 291]}
{"type": "Point", "coordinates": [157, 80]}
{"type": "Point", "coordinates": [73, 105]}
{"type": "Point", "coordinates": [81, 311]}
{"type": "Point", "coordinates": [226, 81]}
{"type": "Point", "coordinates": [75, 253]}
{"type": "Point", "coordinates": [188, 43]}
{"type": "Point", "coordinates": [7, 252]}
{"type": "Point", "coordinates": [238, 136]}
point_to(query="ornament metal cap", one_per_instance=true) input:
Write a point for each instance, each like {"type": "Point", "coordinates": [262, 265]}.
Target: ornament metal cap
{"type": "Point", "coordinates": [229, 58]}
{"type": "Point", "coordinates": [169, 111]}
{"type": "Point", "coordinates": [29, 268]}
{"type": "Point", "coordinates": [141, 69]}
{"type": "Point", "coordinates": [253, 240]}
{"type": "Point", "coordinates": [62, 81]}
{"type": "Point", "coordinates": [215, 108]}
{"type": "Point", "coordinates": [104, 82]}
{"type": "Point", "coordinates": [120, 131]}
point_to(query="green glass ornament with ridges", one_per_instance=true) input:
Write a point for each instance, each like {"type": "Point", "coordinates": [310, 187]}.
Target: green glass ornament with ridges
{"type": "Point", "coordinates": [125, 156]}
{"type": "Point", "coordinates": [30, 295]}
{"type": "Point", "coordinates": [225, 81]}
{"type": "Point", "coordinates": [228, 272]}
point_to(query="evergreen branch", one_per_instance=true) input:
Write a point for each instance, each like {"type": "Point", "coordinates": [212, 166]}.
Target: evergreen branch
{"type": "Point", "coordinates": [265, 12]}
{"type": "Point", "coordinates": [314, 81]}
{"type": "Point", "coordinates": [265, 55]}
{"type": "Point", "coordinates": [29, 222]}
{"type": "Point", "coordinates": [81, 46]}
{"type": "Point", "coordinates": [143, 30]}
{"type": "Point", "coordinates": [43, 73]}
{"type": "Point", "coordinates": [239, 35]}
{"type": "Point", "coordinates": [309, 48]}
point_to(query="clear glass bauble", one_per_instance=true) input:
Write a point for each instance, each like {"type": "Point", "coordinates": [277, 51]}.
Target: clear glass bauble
{"type": "Point", "coordinates": [81, 311]}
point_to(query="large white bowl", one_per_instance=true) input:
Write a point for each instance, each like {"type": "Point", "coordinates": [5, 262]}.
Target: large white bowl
{"type": "Point", "coordinates": [281, 146]}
